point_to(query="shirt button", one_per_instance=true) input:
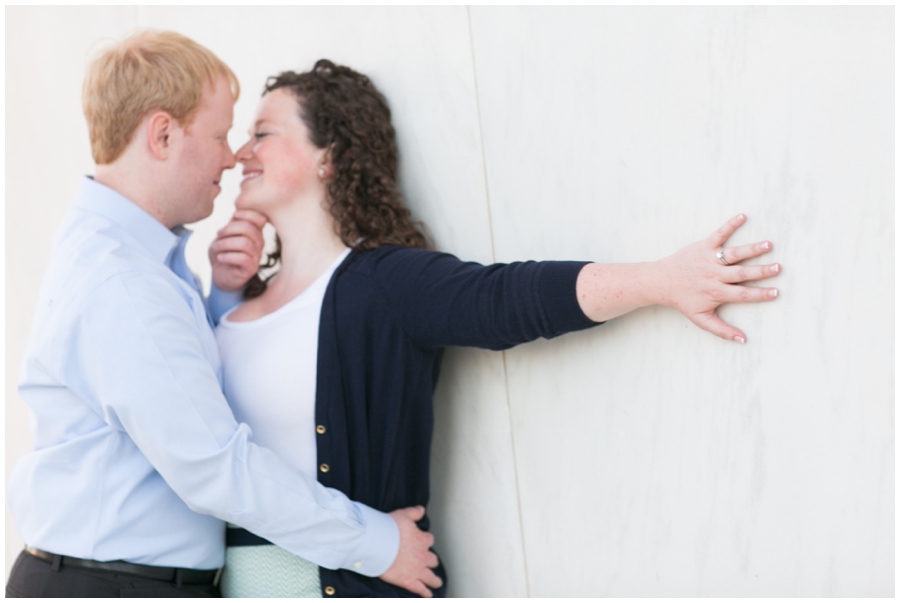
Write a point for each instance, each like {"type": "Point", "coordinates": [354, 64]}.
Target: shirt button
{"type": "Point", "coordinates": [358, 564]}
{"type": "Point", "coordinates": [329, 590]}
{"type": "Point", "coordinates": [324, 467]}
{"type": "Point", "coordinates": [320, 429]}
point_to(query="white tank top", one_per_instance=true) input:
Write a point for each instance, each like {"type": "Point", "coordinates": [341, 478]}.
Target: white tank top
{"type": "Point", "coordinates": [269, 368]}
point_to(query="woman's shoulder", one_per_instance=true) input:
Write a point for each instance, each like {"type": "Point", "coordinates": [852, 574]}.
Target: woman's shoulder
{"type": "Point", "coordinates": [396, 253]}
{"type": "Point", "coordinates": [389, 255]}
{"type": "Point", "coordinates": [389, 258]}
{"type": "Point", "coordinates": [393, 273]}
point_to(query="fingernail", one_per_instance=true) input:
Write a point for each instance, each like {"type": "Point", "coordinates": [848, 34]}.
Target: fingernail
{"type": "Point", "coordinates": [773, 292]}
{"type": "Point", "coordinates": [739, 339]}
{"type": "Point", "coordinates": [774, 268]}
{"type": "Point", "coordinates": [766, 245]}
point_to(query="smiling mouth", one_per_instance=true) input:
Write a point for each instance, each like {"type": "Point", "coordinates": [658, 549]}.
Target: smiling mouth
{"type": "Point", "coordinates": [251, 174]}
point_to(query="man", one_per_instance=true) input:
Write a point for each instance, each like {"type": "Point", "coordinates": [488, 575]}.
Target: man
{"type": "Point", "coordinates": [138, 460]}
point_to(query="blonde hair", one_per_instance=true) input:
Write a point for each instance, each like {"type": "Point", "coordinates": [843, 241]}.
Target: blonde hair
{"type": "Point", "coordinates": [149, 70]}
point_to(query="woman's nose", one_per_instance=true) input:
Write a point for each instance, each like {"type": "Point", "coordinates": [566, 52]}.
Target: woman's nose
{"type": "Point", "coordinates": [244, 153]}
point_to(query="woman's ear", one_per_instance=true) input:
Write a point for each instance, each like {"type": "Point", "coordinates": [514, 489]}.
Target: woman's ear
{"type": "Point", "coordinates": [326, 170]}
{"type": "Point", "coordinates": [326, 162]}
{"type": "Point", "coordinates": [161, 134]}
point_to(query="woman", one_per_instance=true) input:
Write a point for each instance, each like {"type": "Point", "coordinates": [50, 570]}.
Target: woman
{"type": "Point", "coordinates": [333, 361]}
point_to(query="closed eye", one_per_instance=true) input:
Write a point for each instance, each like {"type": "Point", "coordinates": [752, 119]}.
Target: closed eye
{"type": "Point", "coordinates": [259, 135]}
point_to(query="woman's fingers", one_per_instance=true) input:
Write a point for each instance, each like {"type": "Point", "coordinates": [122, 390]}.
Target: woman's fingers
{"type": "Point", "coordinates": [240, 228]}
{"type": "Point", "coordinates": [249, 215]}
{"type": "Point", "coordinates": [709, 321]}
{"type": "Point", "coordinates": [722, 233]}
{"type": "Point", "coordinates": [738, 294]}
{"type": "Point", "coordinates": [234, 258]}
{"type": "Point", "coordinates": [733, 255]}
{"type": "Point", "coordinates": [742, 274]}
{"type": "Point", "coordinates": [234, 244]}
{"type": "Point", "coordinates": [715, 325]}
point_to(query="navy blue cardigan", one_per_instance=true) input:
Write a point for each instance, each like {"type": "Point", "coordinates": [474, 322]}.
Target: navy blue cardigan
{"type": "Point", "coordinates": [386, 318]}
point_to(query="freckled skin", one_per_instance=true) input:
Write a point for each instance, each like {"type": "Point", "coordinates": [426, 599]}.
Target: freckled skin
{"type": "Point", "coordinates": [691, 280]}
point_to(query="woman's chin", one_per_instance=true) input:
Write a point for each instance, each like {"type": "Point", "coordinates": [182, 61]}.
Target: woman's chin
{"type": "Point", "coordinates": [242, 202]}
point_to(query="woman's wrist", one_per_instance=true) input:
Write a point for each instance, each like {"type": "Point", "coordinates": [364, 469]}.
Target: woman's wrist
{"type": "Point", "coordinates": [658, 283]}
{"type": "Point", "coordinates": [606, 291]}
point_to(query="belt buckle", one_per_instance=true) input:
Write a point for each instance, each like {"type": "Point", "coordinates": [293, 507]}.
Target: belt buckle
{"type": "Point", "coordinates": [218, 576]}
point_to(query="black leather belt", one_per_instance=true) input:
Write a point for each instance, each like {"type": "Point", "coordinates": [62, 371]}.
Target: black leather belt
{"type": "Point", "coordinates": [178, 575]}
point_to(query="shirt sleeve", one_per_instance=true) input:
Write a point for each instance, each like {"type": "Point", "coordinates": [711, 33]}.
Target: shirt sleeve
{"type": "Point", "coordinates": [442, 301]}
{"type": "Point", "coordinates": [219, 302]}
{"type": "Point", "coordinates": [138, 345]}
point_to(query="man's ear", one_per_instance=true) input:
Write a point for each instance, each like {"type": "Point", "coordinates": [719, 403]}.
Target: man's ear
{"type": "Point", "coordinates": [162, 133]}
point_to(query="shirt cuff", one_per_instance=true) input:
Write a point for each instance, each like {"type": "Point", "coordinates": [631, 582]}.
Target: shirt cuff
{"type": "Point", "coordinates": [377, 551]}
{"type": "Point", "coordinates": [220, 302]}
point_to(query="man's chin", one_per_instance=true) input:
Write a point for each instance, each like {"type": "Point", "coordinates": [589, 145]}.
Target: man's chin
{"type": "Point", "coordinates": [206, 212]}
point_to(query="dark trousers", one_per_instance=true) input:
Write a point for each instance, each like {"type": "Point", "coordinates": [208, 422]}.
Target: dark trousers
{"type": "Point", "coordinates": [33, 577]}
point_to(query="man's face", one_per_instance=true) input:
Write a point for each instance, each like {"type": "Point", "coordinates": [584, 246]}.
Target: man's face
{"type": "Point", "coordinates": [205, 154]}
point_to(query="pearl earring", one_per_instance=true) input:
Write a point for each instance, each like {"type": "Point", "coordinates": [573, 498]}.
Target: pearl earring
{"type": "Point", "coordinates": [321, 172]}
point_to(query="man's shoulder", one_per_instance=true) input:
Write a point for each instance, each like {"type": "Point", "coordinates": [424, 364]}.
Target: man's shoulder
{"type": "Point", "coordinates": [97, 241]}
{"type": "Point", "coordinates": [90, 251]}
{"type": "Point", "coordinates": [82, 279]}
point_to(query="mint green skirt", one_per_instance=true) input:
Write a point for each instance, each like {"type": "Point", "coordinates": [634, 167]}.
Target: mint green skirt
{"type": "Point", "coordinates": [268, 571]}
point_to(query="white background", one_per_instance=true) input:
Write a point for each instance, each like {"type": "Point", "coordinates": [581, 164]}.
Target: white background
{"type": "Point", "coordinates": [643, 457]}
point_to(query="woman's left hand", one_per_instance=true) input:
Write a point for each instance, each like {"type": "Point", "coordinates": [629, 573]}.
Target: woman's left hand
{"type": "Point", "coordinates": [695, 280]}
{"type": "Point", "coordinates": [702, 276]}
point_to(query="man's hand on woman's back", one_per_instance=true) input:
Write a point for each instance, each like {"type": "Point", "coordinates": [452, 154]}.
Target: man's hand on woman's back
{"type": "Point", "coordinates": [412, 567]}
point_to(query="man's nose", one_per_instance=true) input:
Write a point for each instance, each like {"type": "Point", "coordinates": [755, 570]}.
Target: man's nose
{"type": "Point", "coordinates": [230, 161]}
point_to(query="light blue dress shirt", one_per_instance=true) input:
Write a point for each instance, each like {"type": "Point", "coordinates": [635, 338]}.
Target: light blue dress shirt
{"type": "Point", "coordinates": [137, 454]}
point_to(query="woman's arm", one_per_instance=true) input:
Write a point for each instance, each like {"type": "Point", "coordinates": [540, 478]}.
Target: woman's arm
{"type": "Point", "coordinates": [441, 301]}
{"type": "Point", "coordinates": [693, 280]}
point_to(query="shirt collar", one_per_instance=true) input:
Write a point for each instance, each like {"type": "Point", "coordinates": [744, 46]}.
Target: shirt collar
{"type": "Point", "coordinates": [182, 235]}
{"type": "Point", "coordinates": [144, 228]}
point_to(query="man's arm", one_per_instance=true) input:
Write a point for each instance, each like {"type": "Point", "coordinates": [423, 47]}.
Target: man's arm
{"type": "Point", "coordinates": [219, 302]}
{"type": "Point", "coordinates": [139, 347]}
{"type": "Point", "coordinates": [235, 257]}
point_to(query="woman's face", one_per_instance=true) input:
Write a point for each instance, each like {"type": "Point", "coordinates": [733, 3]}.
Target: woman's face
{"type": "Point", "coordinates": [281, 165]}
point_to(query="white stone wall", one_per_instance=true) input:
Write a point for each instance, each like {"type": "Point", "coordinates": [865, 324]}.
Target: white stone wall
{"type": "Point", "coordinates": [643, 457]}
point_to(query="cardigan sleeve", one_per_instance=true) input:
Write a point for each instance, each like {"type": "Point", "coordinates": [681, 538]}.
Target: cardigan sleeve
{"type": "Point", "coordinates": [441, 301]}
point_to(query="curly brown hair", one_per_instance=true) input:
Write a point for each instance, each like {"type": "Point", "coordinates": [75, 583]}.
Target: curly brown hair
{"type": "Point", "coordinates": [347, 115]}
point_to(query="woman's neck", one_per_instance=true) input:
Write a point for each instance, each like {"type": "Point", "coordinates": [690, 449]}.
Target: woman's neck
{"type": "Point", "coordinates": [309, 245]}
